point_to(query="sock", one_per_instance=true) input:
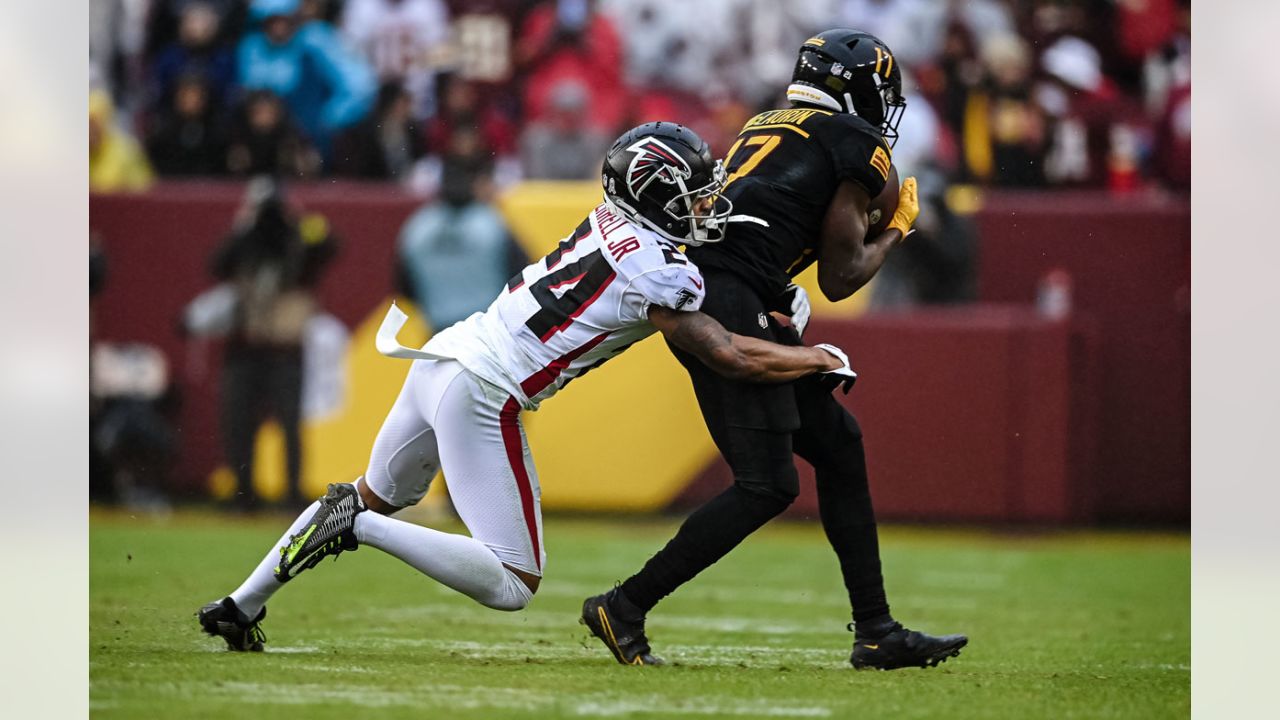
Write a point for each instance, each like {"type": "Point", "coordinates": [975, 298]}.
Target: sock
{"type": "Point", "coordinates": [621, 605]}
{"type": "Point", "coordinates": [872, 628]}
{"type": "Point", "coordinates": [706, 536]}
{"type": "Point", "coordinates": [261, 583]}
{"type": "Point", "coordinates": [456, 561]}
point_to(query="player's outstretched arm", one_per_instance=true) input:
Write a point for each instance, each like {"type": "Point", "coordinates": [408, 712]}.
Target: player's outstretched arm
{"type": "Point", "coordinates": [847, 260]}
{"type": "Point", "coordinates": [736, 356]}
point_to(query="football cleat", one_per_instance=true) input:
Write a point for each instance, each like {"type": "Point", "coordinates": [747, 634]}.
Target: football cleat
{"type": "Point", "coordinates": [329, 532]}
{"type": "Point", "coordinates": [902, 648]}
{"type": "Point", "coordinates": [624, 639]}
{"type": "Point", "coordinates": [221, 618]}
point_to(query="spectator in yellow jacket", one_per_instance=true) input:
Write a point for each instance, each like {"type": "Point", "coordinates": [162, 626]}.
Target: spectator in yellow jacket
{"type": "Point", "coordinates": [116, 161]}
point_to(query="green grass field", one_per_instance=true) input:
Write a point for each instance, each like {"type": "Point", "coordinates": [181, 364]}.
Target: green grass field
{"type": "Point", "coordinates": [1071, 625]}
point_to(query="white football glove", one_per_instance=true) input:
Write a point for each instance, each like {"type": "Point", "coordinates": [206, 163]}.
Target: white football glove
{"type": "Point", "coordinates": [842, 377]}
{"type": "Point", "coordinates": [800, 309]}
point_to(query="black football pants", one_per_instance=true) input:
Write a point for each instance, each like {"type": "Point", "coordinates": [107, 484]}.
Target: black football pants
{"type": "Point", "coordinates": [757, 429]}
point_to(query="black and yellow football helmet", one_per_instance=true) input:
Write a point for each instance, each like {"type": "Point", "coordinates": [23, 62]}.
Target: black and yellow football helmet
{"type": "Point", "coordinates": [853, 72]}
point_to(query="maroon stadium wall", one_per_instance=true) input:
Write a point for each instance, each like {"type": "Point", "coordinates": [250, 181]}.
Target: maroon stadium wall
{"type": "Point", "coordinates": [991, 413]}
{"type": "Point", "coordinates": [975, 414]}
{"type": "Point", "coordinates": [1130, 263]}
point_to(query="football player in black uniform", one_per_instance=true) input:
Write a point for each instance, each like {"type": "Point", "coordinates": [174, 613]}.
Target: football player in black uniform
{"type": "Point", "coordinates": [801, 180]}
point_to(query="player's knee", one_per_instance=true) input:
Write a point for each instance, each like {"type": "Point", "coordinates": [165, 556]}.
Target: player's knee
{"type": "Point", "coordinates": [778, 497]}
{"type": "Point", "coordinates": [508, 603]}
{"type": "Point", "coordinates": [777, 488]}
{"type": "Point", "coordinates": [513, 593]}
{"type": "Point", "coordinates": [764, 465]}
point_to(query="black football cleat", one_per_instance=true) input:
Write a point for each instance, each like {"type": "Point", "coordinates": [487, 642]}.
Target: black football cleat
{"type": "Point", "coordinates": [625, 639]}
{"type": "Point", "coordinates": [329, 532]}
{"type": "Point", "coordinates": [903, 648]}
{"type": "Point", "coordinates": [221, 618]}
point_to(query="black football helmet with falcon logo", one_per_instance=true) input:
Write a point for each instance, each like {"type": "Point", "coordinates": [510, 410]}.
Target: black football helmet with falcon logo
{"type": "Point", "coordinates": [661, 176]}
{"type": "Point", "coordinates": [853, 72]}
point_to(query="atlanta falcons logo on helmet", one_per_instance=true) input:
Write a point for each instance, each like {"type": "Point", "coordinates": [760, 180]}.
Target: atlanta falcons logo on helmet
{"type": "Point", "coordinates": [652, 160]}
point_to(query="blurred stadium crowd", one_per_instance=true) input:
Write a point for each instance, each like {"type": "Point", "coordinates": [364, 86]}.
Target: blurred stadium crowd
{"type": "Point", "coordinates": [1025, 93]}
{"type": "Point", "coordinates": [456, 100]}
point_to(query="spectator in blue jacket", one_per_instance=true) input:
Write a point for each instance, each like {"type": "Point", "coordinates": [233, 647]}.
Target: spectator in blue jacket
{"type": "Point", "coordinates": [325, 85]}
{"type": "Point", "coordinates": [198, 51]}
{"type": "Point", "coordinates": [457, 253]}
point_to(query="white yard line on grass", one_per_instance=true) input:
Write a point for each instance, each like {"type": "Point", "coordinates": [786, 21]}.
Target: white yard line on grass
{"type": "Point", "coordinates": [459, 697]}
{"type": "Point", "coordinates": [668, 709]}
{"type": "Point", "coordinates": [761, 656]}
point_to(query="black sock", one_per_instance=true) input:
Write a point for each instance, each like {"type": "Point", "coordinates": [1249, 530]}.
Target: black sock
{"type": "Point", "coordinates": [621, 605]}
{"type": "Point", "coordinates": [706, 536]}
{"type": "Point", "coordinates": [872, 628]}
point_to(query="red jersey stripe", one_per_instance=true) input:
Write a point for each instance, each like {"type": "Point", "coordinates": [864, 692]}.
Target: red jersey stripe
{"type": "Point", "coordinates": [542, 379]}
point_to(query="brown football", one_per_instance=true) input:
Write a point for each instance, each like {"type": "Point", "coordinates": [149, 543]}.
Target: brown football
{"type": "Point", "coordinates": [883, 206]}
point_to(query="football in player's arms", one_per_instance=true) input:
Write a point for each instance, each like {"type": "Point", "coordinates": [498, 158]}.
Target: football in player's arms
{"type": "Point", "coordinates": [883, 206]}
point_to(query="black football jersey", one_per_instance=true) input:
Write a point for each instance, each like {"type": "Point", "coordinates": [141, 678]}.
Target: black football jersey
{"type": "Point", "coordinates": [784, 169]}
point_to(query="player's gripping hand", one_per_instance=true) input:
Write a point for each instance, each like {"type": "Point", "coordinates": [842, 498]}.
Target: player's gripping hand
{"type": "Point", "coordinates": [908, 208]}
{"type": "Point", "coordinates": [842, 377]}
{"type": "Point", "coordinates": [798, 301]}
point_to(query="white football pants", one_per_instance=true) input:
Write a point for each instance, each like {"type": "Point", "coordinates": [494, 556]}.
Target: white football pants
{"type": "Point", "coordinates": [445, 417]}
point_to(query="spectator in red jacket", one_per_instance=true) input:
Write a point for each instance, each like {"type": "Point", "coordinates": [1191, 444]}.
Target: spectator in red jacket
{"type": "Point", "coordinates": [464, 108]}
{"type": "Point", "coordinates": [1097, 132]}
{"type": "Point", "coordinates": [483, 46]}
{"type": "Point", "coordinates": [568, 40]}
{"type": "Point", "coordinates": [564, 146]}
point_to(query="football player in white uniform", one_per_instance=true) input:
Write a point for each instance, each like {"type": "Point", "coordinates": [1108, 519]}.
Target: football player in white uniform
{"type": "Point", "coordinates": [619, 277]}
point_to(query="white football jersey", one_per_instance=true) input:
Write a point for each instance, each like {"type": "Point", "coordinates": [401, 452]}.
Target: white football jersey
{"type": "Point", "coordinates": [585, 302]}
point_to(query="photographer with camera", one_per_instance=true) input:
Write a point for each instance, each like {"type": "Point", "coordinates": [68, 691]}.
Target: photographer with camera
{"type": "Point", "coordinates": [269, 265]}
